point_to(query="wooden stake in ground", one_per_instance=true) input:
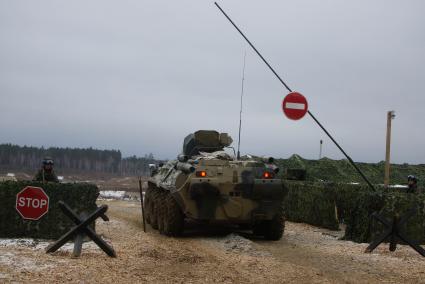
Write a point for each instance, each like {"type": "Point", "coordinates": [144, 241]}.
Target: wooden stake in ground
{"type": "Point", "coordinates": [390, 116]}
{"type": "Point", "coordinates": [141, 203]}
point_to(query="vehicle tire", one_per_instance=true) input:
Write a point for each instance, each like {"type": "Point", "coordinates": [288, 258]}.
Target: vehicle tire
{"type": "Point", "coordinates": [259, 228]}
{"type": "Point", "coordinates": [275, 227]}
{"type": "Point", "coordinates": [154, 208]}
{"type": "Point", "coordinates": [245, 227]}
{"type": "Point", "coordinates": [161, 210]}
{"type": "Point", "coordinates": [147, 205]}
{"type": "Point", "coordinates": [174, 217]}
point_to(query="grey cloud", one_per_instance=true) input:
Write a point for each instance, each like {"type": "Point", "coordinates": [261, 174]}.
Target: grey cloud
{"type": "Point", "coordinates": [140, 75]}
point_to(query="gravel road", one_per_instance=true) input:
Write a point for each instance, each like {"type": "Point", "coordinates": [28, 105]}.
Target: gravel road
{"type": "Point", "coordinates": [305, 254]}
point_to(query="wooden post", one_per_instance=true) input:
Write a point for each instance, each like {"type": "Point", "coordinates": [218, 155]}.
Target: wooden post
{"type": "Point", "coordinates": [320, 151]}
{"type": "Point", "coordinates": [390, 116]}
{"type": "Point", "coordinates": [141, 204]}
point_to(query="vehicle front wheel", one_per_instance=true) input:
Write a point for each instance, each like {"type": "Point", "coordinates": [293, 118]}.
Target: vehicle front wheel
{"type": "Point", "coordinates": [274, 228]}
{"type": "Point", "coordinates": [174, 219]}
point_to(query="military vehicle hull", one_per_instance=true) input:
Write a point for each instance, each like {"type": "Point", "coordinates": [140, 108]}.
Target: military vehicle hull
{"type": "Point", "coordinates": [216, 189]}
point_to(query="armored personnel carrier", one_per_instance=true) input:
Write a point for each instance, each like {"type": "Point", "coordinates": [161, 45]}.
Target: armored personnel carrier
{"type": "Point", "coordinates": [207, 184]}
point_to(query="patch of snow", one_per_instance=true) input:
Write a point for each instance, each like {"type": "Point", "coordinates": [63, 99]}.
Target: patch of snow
{"type": "Point", "coordinates": [398, 186]}
{"type": "Point", "coordinates": [112, 194]}
{"type": "Point", "coordinates": [235, 243]}
{"type": "Point", "coordinates": [42, 245]}
{"type": "Point", "coordinates": [18, 242]}
{"type": "Point", "coordinates": [23, 263]}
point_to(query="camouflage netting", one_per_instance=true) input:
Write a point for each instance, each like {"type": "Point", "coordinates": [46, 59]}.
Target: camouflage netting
{"type": "Point", "coordinates": [80, 197]}
{"type": "Point", "coordinates": [315, 203]}
{"type": "Point", "coordinates": [310, 203]}
{"type": "Point", "coordinates": [362, 228]}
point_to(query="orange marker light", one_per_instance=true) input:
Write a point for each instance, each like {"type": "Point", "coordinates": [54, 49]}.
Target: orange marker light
{"type": "Point", "coordinates": [201, 174]}
{"type": "Point", "coordinates": [267, 175]}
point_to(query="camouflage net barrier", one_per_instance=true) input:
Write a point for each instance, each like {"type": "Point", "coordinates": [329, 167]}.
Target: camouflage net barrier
{"type": "Point", "coordinates": [327, 205]}
{"type": "Point", "coordinates": [360, 227]}
{"type": "Point", "coordinates": [310, 203]}
{"type": "Point", "coordinates": [80, 197]}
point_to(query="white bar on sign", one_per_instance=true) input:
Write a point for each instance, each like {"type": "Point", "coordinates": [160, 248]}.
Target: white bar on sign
{"type": "Point", "coordinates": [295, 106]}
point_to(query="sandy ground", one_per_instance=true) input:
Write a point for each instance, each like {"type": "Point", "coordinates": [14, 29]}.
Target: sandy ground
{"type": "Point", "coordinates": [205, 255]}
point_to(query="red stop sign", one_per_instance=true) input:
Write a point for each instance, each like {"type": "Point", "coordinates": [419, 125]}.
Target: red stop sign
{"type": "Point", "coordinates": [294, 105]}
{"type": "Point", "coordinates": [32, 203]}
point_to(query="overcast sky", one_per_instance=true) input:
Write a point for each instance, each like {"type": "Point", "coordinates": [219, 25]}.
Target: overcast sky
{"type": "Point", "coordinates": [140, 75]}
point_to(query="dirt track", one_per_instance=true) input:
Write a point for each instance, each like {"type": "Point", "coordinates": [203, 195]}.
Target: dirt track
{"type": "Point", "coordinates": [305, 255]}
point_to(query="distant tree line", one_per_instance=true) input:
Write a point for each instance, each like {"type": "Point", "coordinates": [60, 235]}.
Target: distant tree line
{"type": "Point", "coordinates": [133, 166]}
{"type": "Point", "coordinates": [73, 160]}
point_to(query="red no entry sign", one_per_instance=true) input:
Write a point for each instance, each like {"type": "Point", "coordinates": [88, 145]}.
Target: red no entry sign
{"type": "Point", "coordinates": [294, 106]}
{"type": "Point", "coordinates": [32, 203]}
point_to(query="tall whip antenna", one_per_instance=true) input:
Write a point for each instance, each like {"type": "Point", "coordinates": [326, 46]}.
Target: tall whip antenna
{"type": "Point", "coordinates": [240, 112]}
{"type": "Point", "coordinates": [289, 89]}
